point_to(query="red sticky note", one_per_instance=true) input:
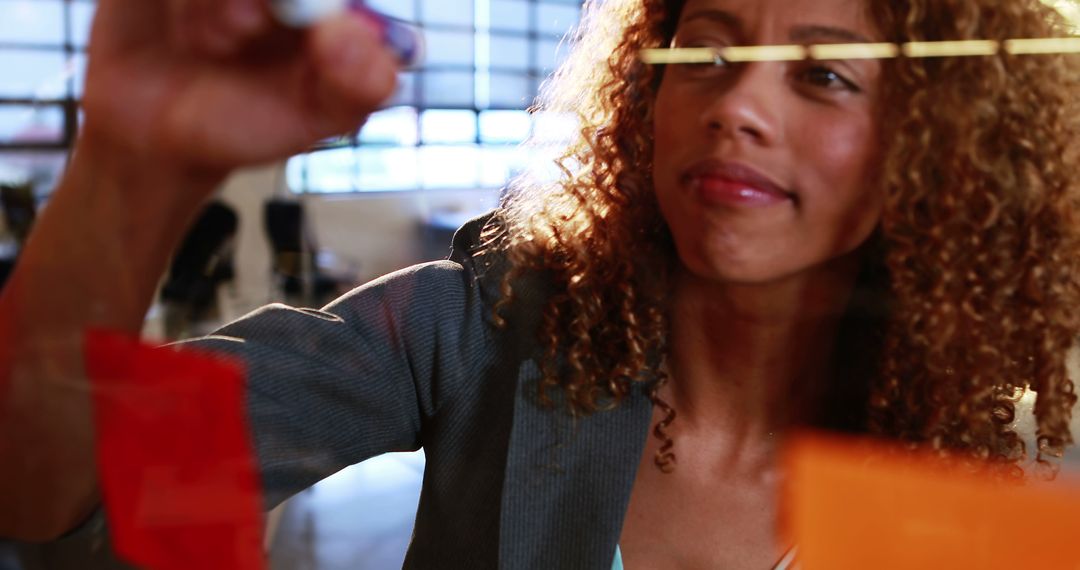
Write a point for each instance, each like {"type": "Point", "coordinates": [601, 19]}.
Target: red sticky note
{"type": "Point", "coordinates": [852, 506]}
{"type": "Point", "coordinates": [175, 457]}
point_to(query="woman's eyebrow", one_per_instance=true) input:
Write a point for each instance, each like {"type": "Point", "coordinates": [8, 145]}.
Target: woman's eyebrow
{"type": "Point", "coordinates": [804, 34]}
{"type": "Point", "coordinates": [718, 16]}
{"type": "Point", "coordinates": [815, 33]}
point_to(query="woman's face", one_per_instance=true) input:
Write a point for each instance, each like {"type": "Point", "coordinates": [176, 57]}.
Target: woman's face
{"type": "Point", "coordinates": [765, 170]}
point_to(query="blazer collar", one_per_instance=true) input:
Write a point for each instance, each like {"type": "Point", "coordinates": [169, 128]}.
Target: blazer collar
{"type": "Point", "coordinates": [567, 482]}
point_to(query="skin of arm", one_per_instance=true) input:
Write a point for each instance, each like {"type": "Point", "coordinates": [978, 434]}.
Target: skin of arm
{"type": "Point", "coordinates": [179, 93]}
{"type": "Point", "coordinates": [93, 261]}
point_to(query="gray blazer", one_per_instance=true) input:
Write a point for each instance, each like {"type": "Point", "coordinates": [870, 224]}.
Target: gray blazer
{"type": "Point", "coordinates": [413, 360]}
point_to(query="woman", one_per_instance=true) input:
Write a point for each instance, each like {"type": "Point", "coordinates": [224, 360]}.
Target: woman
{"type": "Point", "coordinates": [731, 241]}
{"type": "Point", "coordinates": [874, 246]}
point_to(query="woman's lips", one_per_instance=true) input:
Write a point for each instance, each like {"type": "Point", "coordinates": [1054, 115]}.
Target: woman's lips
{"type": "Point", "coordinates": [732, 184]}
{"type": "Point", "coordinates": [721, 191]}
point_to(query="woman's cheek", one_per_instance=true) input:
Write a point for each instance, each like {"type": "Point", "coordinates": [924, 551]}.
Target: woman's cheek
{"type": "Point", "coordinates": [839, 155]}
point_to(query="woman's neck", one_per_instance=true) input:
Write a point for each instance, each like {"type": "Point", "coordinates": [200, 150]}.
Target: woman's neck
{"type": "Point", "coordinates": [749, 361]}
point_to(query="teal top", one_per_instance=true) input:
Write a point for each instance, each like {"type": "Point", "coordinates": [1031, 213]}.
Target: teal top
{"type": "Point", "coordinates": [617, 564]}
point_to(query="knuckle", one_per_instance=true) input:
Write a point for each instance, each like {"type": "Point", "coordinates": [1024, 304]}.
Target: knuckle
{"type": "Point", "coordinates": [385, 84]}
{"type": "Point", "coordinates": [212, 27]}
{"type": "Point", "coordinates": [377, 86]}
{"type": "Point", "coordinates": [215, 42]}
{"type": "Point", "coordinates": [245, 17]}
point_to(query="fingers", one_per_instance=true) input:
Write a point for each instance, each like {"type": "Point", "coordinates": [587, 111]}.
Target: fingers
{"type": "Point", "coordinates": [246, 17]}
{"type": "Point", "coordinates": [217, 28]}
{"type": "Point", "coordinates": [355, 72]}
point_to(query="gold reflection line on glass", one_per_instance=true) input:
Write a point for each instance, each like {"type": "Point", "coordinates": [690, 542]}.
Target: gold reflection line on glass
{"type": "Point", "coordinates": [1042, 46]}
{"type": "Point", "coordinates": [678, 55]}
{"type": "Point", "coordinates": [854, 51]}
{"type": "Point", "coordinates": [742, 54]}
{"type": "Point", "coordinates": [746, 54]}
{"type": "Point", "coordinates": [950, 49]}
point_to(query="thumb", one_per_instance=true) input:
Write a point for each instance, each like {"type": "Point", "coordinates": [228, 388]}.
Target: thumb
{"type": "Point", "coordinates": [354, 72]}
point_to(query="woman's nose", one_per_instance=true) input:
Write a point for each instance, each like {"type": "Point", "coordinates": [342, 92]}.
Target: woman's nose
{"type": "Point", "coordinates": [747, 106]}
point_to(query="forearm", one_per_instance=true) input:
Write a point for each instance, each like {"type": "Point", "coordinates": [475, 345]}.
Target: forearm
{"type": "Point", "coordinates": [93, 260]}
{"type": "Point", "coordinates": [180, 83]}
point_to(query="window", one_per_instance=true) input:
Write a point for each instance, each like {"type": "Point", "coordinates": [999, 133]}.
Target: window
{"type": "Point", "coordinates": [457, 121]}
{"type": "Point", "coordinates": [42, 55]}
{"type": "Point", "coordinates": [486, 59]}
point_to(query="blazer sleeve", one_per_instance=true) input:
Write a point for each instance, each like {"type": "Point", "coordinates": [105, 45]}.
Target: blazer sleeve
{"type": "Point", "coordinates": [360, 377]}
{"type": "Point", "coordinates": [329, 388]}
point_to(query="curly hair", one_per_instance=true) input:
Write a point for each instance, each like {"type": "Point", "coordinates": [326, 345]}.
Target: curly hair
{"type": "Point", "coordinates": [975, 268]}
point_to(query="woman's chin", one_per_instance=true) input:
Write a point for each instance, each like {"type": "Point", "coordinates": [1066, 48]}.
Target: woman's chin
{"type": "Point", "coordinates": [732, 270]}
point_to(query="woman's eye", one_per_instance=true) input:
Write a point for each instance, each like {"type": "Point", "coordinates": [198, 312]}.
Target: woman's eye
{"type": "Point", "coordinates": [704, 69]}
{"type": "Point", "coordinates": [826, 78]}
{"type": "Point", "coordinates": [716, 65]}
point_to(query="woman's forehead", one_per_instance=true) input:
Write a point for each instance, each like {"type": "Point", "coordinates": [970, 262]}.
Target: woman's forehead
{"type": "Point", "coordinates": [848, 20]}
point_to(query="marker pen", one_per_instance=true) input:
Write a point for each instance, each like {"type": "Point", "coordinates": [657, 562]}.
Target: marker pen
{"type": "Point", "coordinates": [404, 40]}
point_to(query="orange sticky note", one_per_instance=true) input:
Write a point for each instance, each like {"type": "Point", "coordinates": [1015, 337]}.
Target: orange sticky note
{"type": "Point", "coordinates": [178, 473]}
{"type": "Point", "coordinates": [902, 512]}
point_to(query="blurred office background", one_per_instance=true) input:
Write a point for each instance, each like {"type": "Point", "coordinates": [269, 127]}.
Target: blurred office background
{"type": "Point", "coordinates": [302, 230]}
{"type": "Point", "coordinates": [371, 202]}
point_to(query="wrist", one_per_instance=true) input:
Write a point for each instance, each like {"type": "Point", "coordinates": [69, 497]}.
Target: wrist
{"type": "Point", "coordinates": [107, 233]}
{"type": "Point", "coordinates": [135, 203]}
{"type": "Point", "coordinates": [138, 166]}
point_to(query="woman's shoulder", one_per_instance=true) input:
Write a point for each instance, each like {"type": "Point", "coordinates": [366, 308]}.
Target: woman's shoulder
{"type": "Point", "coordinates": [481, 247]}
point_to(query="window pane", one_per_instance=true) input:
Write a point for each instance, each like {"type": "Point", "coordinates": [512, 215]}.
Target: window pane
{"type": "Point", "coordinates": [449, 166]}
{"type": "Point", "coordinates": [549, 54]}
{"type": "Point", "coordinates": [331, 170]}
{"type": "Point", "coordinates": [447, 12]}
{"type": "Point", "coordinates": [448, 48]}
{"type": "Point", "coordinates": [512, 15]}
{"type": "Point", "coordinates": [29, 124]}
{"type": "Point", "coordinates": [448, 89]}
{"type": "Point", "coordinates": [34, 22]}
{"type": "Point", "coordinates": [504, 126]}
{"type": "Point", "coordinates": [556, 19]}
{"type": "Point", "coordinates": [511, 90]}
{"type": "Point", "coordinates": [41, 168]}
{"type": "Point", "coordinates": [78, 72]}
{"type": "Point", "coordinates": [393, 126]}
{"type": "Point", "coordinates": [499, 164]}
{"type": "Point", "coordinates": [82, 14]}
{"type": "Point", "coordinates": [509, 53]}
{"type": "Point", "coordinates": [554, 128]}
{"type": "Point", "coordinates": [401, 9]}
{"type": "Point", "coordinates": [29, 73]}
{"type": "Point", "coordinates": [406, 90]}
{"type": "Point", "coordinates": [448, 126]}
{"type": "Point", "coordinates": [296, 170]}
{"type": "Point", "coordinates": [371, 169]}
{"type": "Point", "coordinates": [428, 135]}
{"type": "Point", "coordinates": [387, 169]}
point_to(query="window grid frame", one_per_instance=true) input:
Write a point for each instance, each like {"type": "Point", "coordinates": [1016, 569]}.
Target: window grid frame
{"type": "Point", "coordinates": [533, 73]}
{"type": "Point", "coordinates": [69, 103]}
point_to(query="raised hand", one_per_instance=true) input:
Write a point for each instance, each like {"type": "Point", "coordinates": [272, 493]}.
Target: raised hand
{"type": "Point", "coordinates": [217, 84]}
{"type": "Point", "coordinates": [178, 94]}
